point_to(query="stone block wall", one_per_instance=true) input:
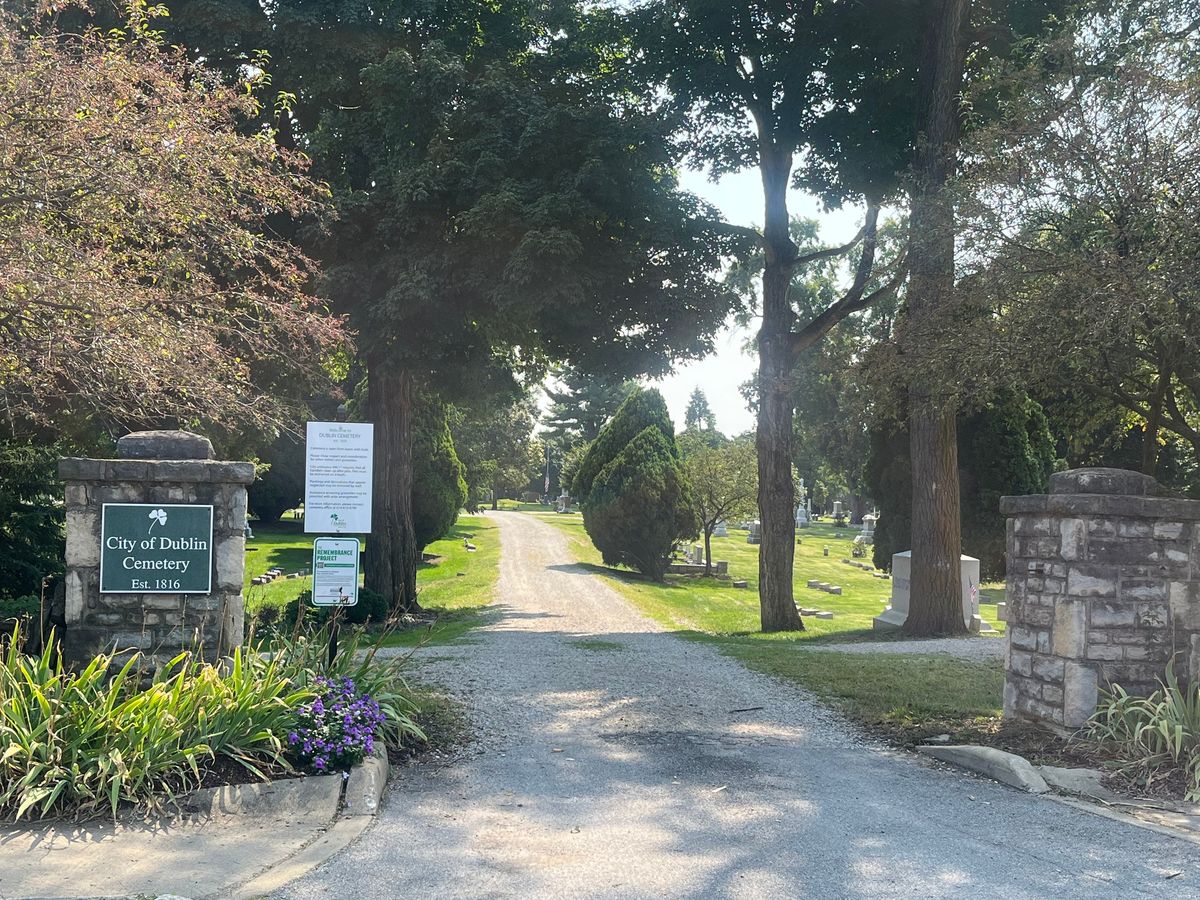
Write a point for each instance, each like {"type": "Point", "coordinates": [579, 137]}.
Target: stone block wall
{"type": "Point", "coordinates": [1103, 587]}
{"type": "Point", "coordinates": [158, 625]}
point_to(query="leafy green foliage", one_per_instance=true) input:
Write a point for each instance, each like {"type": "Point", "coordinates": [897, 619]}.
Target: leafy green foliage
{"type": "Point", "coordinates": [32, 541]}
{"type": "Point", "coordinates": [20, 607]}
{"type": "Point", "coordinates": [439, 489]}
{"type": "Point", "coordinates": [1156, 735]}
{"type": "Point", "coordinates": [640, 504]}
{"type": "Point", "coordinates": [494, 441]}
{"type": "Point", "coordinates": [643, 408]}
{"type": "Point", "coordinates": [723, 481]}
{"type": "Point", "coordinates": [281, 486]}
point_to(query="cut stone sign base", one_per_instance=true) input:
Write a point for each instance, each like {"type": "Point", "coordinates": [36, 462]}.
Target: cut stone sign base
{"type": "Point", "coordinates": [1103, 587]}
{"type": "Point", "coordinates": [897, 613]}
{"type": "Point", "coordinates": [168, 472]}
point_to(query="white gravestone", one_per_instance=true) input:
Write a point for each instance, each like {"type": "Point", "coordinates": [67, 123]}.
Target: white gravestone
{"type": "Point", "coordinates": [897, 612]}
{"type": "Point", "coordinates": [720, 529]}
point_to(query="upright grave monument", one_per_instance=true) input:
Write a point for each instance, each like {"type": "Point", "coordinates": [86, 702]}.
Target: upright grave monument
{"type": "Point", "coordinates": [155, 549]}
{"type": "Point", "coordinates": [896, 613]}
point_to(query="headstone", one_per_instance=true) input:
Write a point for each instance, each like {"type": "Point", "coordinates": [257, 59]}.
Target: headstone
{"type": "Point", "coordinates": [824, 615]}
{"type": "Point", "coordinates": [801, 516]}
{"type": "Point", "coordinates": [897, 612]}
{"type": "Point", "coordinates": [755, 535]}
{"type": "Point", "coordinates": [740, 584]}
{"type": "Point", "coordinates": [563, 503]}
{"type": "Point", "coordinates": [720, 529]}
{"type": "Point", "coordinates": [722, 566]}
{"type": "Point", "coordinates": [839, 517]}
{"type": "Point", "coordinates": [867, 535]}
{"type": "Point", "coordinates": [155, 549]}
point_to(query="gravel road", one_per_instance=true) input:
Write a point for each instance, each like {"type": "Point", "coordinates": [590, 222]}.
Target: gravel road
{"type": "Point", "coordinates": [614, 760]}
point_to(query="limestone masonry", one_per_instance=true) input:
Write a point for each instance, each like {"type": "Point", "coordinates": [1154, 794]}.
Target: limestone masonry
{"type": "Point", "coordinates": [159, 467]}
{"type": "Point", "coordinates": [1103, 587]}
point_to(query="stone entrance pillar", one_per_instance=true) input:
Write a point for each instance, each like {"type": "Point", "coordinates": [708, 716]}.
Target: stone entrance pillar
{"type": "Point", "coordinates": [1103, 587]}
{"type": "Point", "coordinates": [172, 576]}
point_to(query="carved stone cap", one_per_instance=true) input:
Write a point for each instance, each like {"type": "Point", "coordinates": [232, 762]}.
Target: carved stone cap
{"type": "Point", "coordinates": [164, 445]}
{"type": "Point", "coordinates": [1104, 481]}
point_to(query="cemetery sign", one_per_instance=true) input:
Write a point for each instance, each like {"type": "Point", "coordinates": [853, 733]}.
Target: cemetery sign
{"type": "Point", "coordinates": [156, 548]}
{"type": "Point", "coordinates": [335, 571]}
{"type": "Point", "coordinates": [338, 464]}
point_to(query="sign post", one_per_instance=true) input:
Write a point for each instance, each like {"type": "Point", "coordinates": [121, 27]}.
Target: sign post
{"type": "Point", "coordinates": [335, 580]}
{"type": "Point", "coordinates": [156, 548]}
{"type": "Point", "coordinates": [339, 461]}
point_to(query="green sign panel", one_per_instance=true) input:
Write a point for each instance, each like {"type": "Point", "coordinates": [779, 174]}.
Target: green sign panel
{"type": "Point", "coordinates": [335, 571]}
{"type": "Point", "coordinates": [156, 548]}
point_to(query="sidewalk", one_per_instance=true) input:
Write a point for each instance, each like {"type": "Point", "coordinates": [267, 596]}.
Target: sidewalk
{"type": "Point", "coordinates": [237, 841]}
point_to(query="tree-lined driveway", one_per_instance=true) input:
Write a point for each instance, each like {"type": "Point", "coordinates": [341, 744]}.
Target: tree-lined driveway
{"type": "Point", "coordinates": [616, 760]}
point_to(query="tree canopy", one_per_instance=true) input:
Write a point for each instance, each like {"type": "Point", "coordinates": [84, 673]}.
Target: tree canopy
{"type": "Point", "coordinates": [141, 281]}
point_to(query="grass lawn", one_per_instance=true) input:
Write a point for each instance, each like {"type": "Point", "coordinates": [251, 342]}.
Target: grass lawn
{"type": "Point", "coordinates": [716, 607]}
{"type": "Point", "coordinates": [907, 696]}
{"type": "Point", "coordinates": [454, 586]}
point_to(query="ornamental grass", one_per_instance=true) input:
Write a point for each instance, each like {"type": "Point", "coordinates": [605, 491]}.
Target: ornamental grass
{"type": "Point", "coordinates": [81, 743]}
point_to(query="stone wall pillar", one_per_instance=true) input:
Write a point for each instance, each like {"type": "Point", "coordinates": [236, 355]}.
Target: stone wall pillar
{"type": "Point", "coordinates": [156, 467]}
{"type": "Point", "coordinates": [1103, 588]}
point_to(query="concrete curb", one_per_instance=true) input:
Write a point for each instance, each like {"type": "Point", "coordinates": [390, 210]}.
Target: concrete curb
{"type": "Point", "coordinates": [340, 835]}
{"type": "Point", "coordinates": [1007, 768]}
{"type": "Point", "coordinates": [269, 798]}
{"type": "Point", "coordinates": [359, 796]}
{"type": "Point", "coordinates": [365, 787]}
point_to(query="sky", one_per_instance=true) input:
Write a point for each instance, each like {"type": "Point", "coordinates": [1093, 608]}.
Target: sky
{"type": "Point", "coordinates": [720, 375]}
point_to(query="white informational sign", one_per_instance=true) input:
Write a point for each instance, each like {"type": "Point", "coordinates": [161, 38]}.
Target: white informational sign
{"type": "Point", "coordinates": [338, 464]}
{"type": "Point", "coordinates": [335, 571]}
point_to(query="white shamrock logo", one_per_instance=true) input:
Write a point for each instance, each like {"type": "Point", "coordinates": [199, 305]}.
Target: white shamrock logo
{"type": "Point", "coordinates": [158, 517]}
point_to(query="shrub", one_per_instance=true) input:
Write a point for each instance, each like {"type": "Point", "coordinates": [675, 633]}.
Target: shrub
{"type": "Point", "coordinates": [32, 541]}
{"type": "Point", "coordinates": [642, 409]}
{"type": "Point", "coordinates": [439, 488]}
{"type": "Point", "coordinates": [1155, 735]}
{"type": "Point", "coordinates": [372, 607]}
{"type": "Point", "coordinates": [337, 729]}
{"type": "Point", "coordinates": [640, 505]}
{"type": "Point", "coordinates": [20, 607]}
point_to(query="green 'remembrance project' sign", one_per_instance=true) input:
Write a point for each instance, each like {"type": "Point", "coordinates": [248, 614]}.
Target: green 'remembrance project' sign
{"type": "Point", "coordinates": [156, 548]}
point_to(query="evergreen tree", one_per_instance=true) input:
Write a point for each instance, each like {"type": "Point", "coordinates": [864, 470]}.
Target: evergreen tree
{"type": "Point", "coordinates": [439, 488]}
{"type": "Point", "coordinates": [640, 505]}
{"type": "Point", "coordinates": [699, 415]}
{"type": "Point", "coordinates": [643, 408]}
{"type": "Point", "coordinates": [581, 404]}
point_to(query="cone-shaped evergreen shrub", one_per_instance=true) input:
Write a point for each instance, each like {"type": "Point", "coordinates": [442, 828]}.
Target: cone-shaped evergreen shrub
{"type": "Point", "coordinates": [640, 505]}
{"type": "Point", "coordinates": [643, 408]}
{"type": "Point", "coordinates": [439, 488]}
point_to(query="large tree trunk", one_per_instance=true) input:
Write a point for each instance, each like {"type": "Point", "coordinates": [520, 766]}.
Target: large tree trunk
{"type": "Point", "coordinates": [935, 605]}
{"type": "Point", "coordinates": [1154, 422]}
{"type": "Point", "coordinates": [391, 561]}
{"type": "Point", "coordinates": [708, 530]}
{"type": "Point", "coordinates": [774, 435]}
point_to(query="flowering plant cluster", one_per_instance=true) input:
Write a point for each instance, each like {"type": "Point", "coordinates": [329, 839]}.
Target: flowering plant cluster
{"type": "Point", "coordinates": [337, 729]}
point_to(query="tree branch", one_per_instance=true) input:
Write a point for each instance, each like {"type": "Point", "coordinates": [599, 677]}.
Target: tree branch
{"type": "Point", "coordinates": [856, 298]}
